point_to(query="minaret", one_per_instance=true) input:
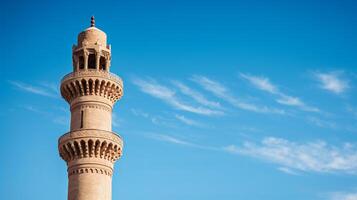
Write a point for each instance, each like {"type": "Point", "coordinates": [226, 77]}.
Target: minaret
{"type": "Point", "coordinates": [90, 148]}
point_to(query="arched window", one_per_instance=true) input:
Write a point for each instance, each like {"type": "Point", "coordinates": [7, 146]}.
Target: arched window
{"type": "Point", "coordinates": [91, 61]}
{"type": "Point", "coordinates": [102, 63]}
{"type": "Point", "coordinates": [81, 62]}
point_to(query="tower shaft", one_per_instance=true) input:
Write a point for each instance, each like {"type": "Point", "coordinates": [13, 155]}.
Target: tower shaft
{"type": "Point", "coordinates": [90, 148]}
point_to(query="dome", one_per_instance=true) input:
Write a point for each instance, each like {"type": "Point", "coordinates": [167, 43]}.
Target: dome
{"type": "Point", "coordinates": [92, 36]}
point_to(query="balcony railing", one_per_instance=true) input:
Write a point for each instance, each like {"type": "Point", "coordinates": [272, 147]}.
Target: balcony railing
{"type": "Point", "coordinates": [94, 73]}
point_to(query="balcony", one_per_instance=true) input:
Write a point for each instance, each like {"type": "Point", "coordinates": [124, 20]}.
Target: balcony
{"type": "Point", "coordinates": [93, 73]}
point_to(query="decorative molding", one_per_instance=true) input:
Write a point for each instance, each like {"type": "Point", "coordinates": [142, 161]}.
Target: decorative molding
{"type": "Point", "coordinates": [92, 105]}
{"type": "Point", "coordinates": [90, 143]}
{"type": "Point", "coordinates": [95, 133]}
{"type": "Point", "coordinates": [91, 170]}
{"type": "Point", "coordinates": [92, 82]}
{"type": "Point", "coordinates": [93, 73]}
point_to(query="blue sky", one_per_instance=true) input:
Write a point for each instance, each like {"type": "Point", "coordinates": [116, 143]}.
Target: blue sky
{"type": "Point", "coordinates": [222, 99]}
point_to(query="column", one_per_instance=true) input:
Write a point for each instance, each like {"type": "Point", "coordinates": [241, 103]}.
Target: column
{"type": "Point", "coordinates": [97, 60]}
{"type": "Point", "coordinates": [85, 55]}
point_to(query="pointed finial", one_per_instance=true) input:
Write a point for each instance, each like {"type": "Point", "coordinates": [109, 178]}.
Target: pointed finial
{"type": "Point", "coordinates": [92, 22]}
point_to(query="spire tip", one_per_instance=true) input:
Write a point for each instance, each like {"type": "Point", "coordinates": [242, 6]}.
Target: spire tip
{"type": "Point", "coordinates": [92, 22]}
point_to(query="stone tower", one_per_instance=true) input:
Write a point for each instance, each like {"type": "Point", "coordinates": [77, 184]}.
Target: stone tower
{"type": "Point", "coordinates": [90, 148]}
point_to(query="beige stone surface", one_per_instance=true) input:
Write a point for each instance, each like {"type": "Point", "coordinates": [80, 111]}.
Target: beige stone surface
{"type": "Point", "coordinates": [86, 186]}
{"type": "Point", "coordinates": [90, 149]}
{"type": "Point", "coordinates": [92, 35]}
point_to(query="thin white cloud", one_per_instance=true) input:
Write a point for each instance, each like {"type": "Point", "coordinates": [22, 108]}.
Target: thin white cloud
{"type": "Point", "coordinates": [212, 86]}
{"type": "Point", "coordinates": [322, 123]}
{"type": "Point", "coordinates": [200, 98]}
{"type": "Point", "coordinates": [175, 140]}
{"type": "Point", "coordinates": [290, 101]}
{"type": "Point", "coordinates": [188, 121]}
{"type": "Point", "coordinates": [309, 157]}
{"type": "Point", "coordinates": [222, 92]}
{"type": "Point", "coordinates": [332, 81]}
{"type": "Point", "coordinates": [170, 139]}
{"type": "Point", "coordinates": [295, 101]}
{"type": "Point", "coordinates": [157, 120]}
{"type": "Point", "coordinates": [343, 196]}
{"type": "Point", "coordinates": [33, 89]}
{"type": "Point", "coordinates": [231, 149]}
{"type": "Point", "coordinates": [291, 157]}
{"type": "Point", "coordinates": [35, 110]}
{"type": "Point", "coordinates": [169, 96]}
{"type": "Point", "coordinates": [261, 83]}
{"type": "Point", "coordinates": [61, 120]}
{"type": "Point", "coordinates": [140, 113]}
{"type": "Point", "coordinates": [264, 84]}
{"type": "Point", "coordinates": [288, 171]}
{"type": "Point", "coordinates": [115, 120]}
{"type": "Point", "coordinates": [51, 86]}
{"type": "Point", "coordinates": [57, 119]}
{"type": "Point", "coordinates": [352, 110]}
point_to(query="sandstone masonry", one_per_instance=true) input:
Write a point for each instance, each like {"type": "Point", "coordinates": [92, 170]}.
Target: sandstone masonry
{"type": "Point", "coordinates": [91, 148]}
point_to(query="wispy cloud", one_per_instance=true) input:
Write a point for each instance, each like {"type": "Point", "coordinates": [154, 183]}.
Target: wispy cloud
{"type": "Point", "coordinates": [171, 139]}
{"type": "Point", "coordinates": [222, 92]}
{"type": "Point", "coordinates": [200, 98]}
{"type": "Point", "coordinates": [291, 157]}
{"type": "Point", "coordinates": [332, 81]}
{"type": "Point", "coordinates": [322, 123]}
{"type": "Point", "coordinates": [188, 121]}
{"type": "Point", "coordinates": [62, 120]}
{"type": "Point", "coordinates": [264, 84]}
{"type": "Point", "coordinates": [179, 141]}
{"type": "Point", "coordinates": [261, 83]}
{"type": "Point", "coordinates": [57, 119]}
{"type": "Point", "coordinates": [51, 86]}
{"type": "Point", "coordinates": [315, 156]}
{"type": "Point", "coordinates": [35, 110]}
{"type": "Point", "coordinates": [170, 121]}
{"type": "Point", "coordinates": [352, 110]}
{"type": "Point", "coordinates": [295, 101]}
{"type": "Point", "coordinates": [169, 96]}
{"type": "Point", "coordinates": [343, 196]}
{"type": "Point", "coordinates": [137, 112]}
{"type": "Point", "coordinates": [116, 122]}
{"type": "Point", "coordinates": [288, 171]}
{"type": "Point", "coordinates": [157, 120]}
{"type": "Point", "coordinates": [43, 91]}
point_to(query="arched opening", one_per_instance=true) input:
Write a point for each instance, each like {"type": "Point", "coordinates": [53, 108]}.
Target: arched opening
{"type": "Point", "coordinates": [102, 63]}
{"type": "Point", "coordinates": [81, 62]}
{"type": "Point", "coordinates": [90, 148]}
{"type": "Point", "coordinates": [84, 84]}
{"type": "Point", "coordinates": [91, 61]}
{"type": "Point", "coordinates": [90, 83]}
